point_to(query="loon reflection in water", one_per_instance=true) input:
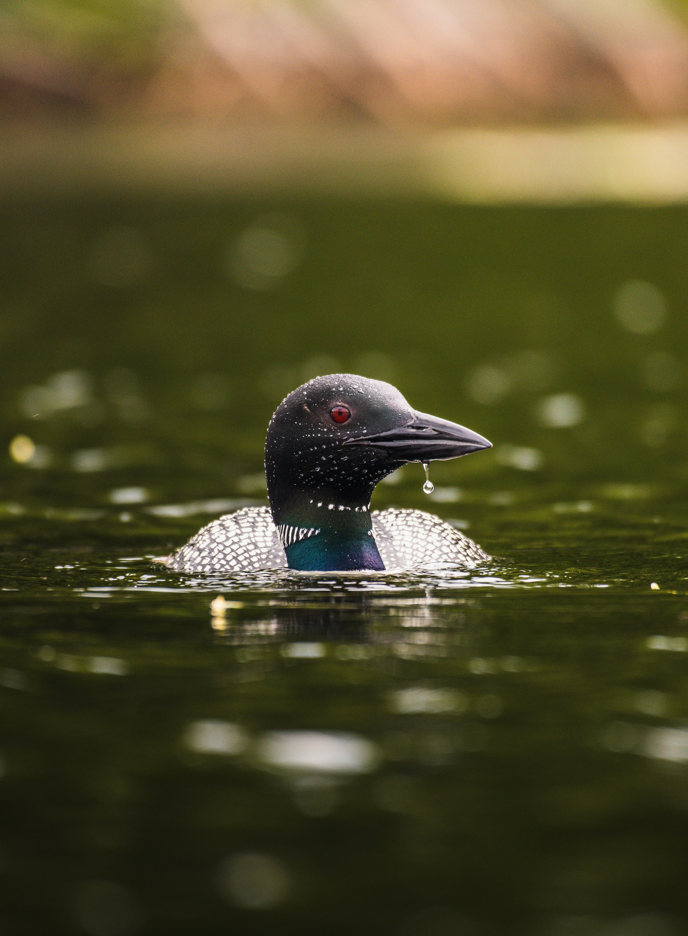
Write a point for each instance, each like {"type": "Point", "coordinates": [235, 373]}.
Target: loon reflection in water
{"type": "Point", "coordinates": [328, 445]}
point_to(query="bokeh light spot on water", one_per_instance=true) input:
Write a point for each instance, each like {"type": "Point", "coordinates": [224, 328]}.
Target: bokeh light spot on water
{"type": "Point", "coordinates": [218, 611]}
{"type": "Point", "coordinates": [120, 257]}
{"type": "Point", "coordinates": [670, 744]}
{"type": "Point", "coordinates": [458, 523]}
{"type": "Point", "coordinates": [560, 411]}
{"type": "Point", "coordinates": [267, 251]}
{"type": "Point", "coordinates": [640, 307]}
{"type": "Point", "coordinates": [35, 402]}
{"type": "Point", "coordinates": [65, 390]}
{"type": "Point", "coordinates": [304, 651]}
{"type": "Point", "coordinates": [418, 699]}
{"type": "Point", "coordinates": [488, 384]}
{"type": "Point", "coordinates": [214, 736]}
{"type": "Point", "coordinates": [396, 477]}
{"type": "Point", "coordinates": [253, 880]}
{"type": "Point", "coordinates": [99, 665]}
{"type": "Point", "coordinates": [577, 507]}
{"type": "Point", "coordinates": [22, 449]}
{"type": "Point", "coordinates": [107, 666]}
{"type": "Point", "coordinates": [86, 461]}
{"type": "Point", "coordinates": [220, 605]}
{"type": "Point", "coordinates": [104, 908]}
{"type": "Point", "coordinates": [129, 495]}
{"type": "Point", "coordinates": [318, 751]}
{"type": "Point", "coordinates": [521, 457]}
{"type": "Point", "coordinates": [217, 505]}
{"type": "Point", "coordinates": [446, 495]}
{"type": "Point", "coordinates": [12, 509]}
{"type": "Point", "coordinates": [661, 642]}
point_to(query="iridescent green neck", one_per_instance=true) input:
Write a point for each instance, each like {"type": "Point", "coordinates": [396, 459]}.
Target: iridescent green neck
{"type": "Point", "coordinates": [324, 534]}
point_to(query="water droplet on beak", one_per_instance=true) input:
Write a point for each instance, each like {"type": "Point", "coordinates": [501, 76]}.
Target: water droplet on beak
{"type": "Point", "coordinates": [428, 487]}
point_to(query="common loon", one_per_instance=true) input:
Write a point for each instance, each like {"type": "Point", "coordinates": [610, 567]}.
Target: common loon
{"type": "Point", "coordinates": [328, 445]}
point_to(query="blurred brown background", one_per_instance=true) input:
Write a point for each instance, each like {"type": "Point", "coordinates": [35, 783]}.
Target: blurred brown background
{"type": "Point", "coordinates": [392, 62]}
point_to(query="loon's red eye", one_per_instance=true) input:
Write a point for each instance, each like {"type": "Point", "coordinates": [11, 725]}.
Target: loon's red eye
{"type": "Point", "coordinates": [340, 414]}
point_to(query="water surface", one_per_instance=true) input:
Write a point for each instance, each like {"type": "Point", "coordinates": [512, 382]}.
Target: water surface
{"type": "Point", "coordinates": [497, 751]}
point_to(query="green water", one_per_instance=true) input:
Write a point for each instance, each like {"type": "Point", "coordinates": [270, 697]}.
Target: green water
{"type": "Point", "coordinates": [497, 752]}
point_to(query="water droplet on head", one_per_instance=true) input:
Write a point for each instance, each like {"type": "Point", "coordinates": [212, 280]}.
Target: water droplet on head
{"type": "Point", "coordinates": [428, 487]}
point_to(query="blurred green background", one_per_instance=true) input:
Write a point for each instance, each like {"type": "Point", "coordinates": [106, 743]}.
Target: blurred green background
{"type": "Point", "coordinates": [160, 335]}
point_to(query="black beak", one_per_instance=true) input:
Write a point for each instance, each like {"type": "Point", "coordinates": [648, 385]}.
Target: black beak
{"type": "Point", "coordinates": [425, 438]}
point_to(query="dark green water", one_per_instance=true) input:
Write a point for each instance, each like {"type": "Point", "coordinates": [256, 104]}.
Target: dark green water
{"type": "Point", "coordinates": [500, 752]}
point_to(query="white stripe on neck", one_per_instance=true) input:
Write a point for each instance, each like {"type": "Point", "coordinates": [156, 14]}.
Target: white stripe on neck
{"type": "Point", "coordinates": [291, 534]}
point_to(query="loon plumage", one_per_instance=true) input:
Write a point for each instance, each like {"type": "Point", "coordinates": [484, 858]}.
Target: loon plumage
{"type": "Point", "coordinates": [328, 445]}
{"type": "Point", "coordinates": [248, 540]}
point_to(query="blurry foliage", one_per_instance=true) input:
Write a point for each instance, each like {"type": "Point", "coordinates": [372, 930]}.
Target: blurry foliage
{"type": "Point", "coordinates": [124, 34]}
{"type": "Point", "coordinates": [235, 59]}
{"type": "Point", "coordinates": [678, 6]}
{"type": "Point", "coordinates": [118, 33]}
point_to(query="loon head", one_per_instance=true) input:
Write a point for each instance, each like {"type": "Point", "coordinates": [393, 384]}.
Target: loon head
{"type": "Point", "coordinates": [328, 445]}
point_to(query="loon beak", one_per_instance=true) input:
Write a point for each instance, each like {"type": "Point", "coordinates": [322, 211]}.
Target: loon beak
{"type": "Point", "coordinates": [425, 438]}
